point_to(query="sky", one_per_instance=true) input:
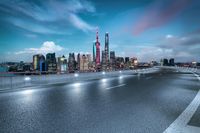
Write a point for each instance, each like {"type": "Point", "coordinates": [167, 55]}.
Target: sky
{"type": "Point", "coordinates": [146, 29]}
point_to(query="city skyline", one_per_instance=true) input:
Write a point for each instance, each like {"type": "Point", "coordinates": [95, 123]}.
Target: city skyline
{"type": "Point", "coordinates": [32, 27]}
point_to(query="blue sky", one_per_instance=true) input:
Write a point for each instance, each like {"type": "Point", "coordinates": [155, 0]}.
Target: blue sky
{"type": "Point", "coordinates": [146, 29]}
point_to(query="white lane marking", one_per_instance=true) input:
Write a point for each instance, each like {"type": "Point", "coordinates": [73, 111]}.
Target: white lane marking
{"type": "Point", "coordinates": [181, 122]}
{"type": "Point", "coordinates": [115, 86]}
{"type": "Point", "coordinates": [197, 76]}
{"type": "Point", "coordinates": [191, 129]}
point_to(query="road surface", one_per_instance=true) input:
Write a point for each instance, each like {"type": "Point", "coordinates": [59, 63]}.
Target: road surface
{"type": "Point", "coordinates": [141, 103]}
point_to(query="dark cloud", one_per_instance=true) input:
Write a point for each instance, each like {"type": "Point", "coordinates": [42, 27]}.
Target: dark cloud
{"type": "Point", "coordinates": [160, 13]}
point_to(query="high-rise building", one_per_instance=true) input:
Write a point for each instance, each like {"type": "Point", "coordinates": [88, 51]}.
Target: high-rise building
{"type": "Point", "coordinates": [89, 57]}
{"type": "Point", "coordinates": [161, 62]}
{"type": "Point", "coordinates": [20, 66]}
{"type": "Point", "coordinates": [51, 62]}
{"type": "Point", "coordinates": [112, 60]}
{"type": "Point", "coordinates": [119, 62]}
{"type": "Point", "coordinates": [27, 67]}
{"type": "Point", "coordinates": [107, 48]}
{"type": "Point", "coordinates": [103, 56]}
{"type": "Point", "coordinates": [84, 62]}
{"type": "Point", "coordinates": [127, 63]}
{"type": "Point", "coordinates": [165, 62]}
{"type": "Point", "coordinates": [39, 63]}
{"type": "Point", "coordinates": [171, 62]}
{"type": "Point", "coordinates": [134, 62]}
{"type": "Point", "coordinates": [78, 61]}
{"type": "Point", "coordinates": [126, 59]}
{"type": "Point", "coordinates": [62, 64]}
{"type": "Point", "coordinates": [94, 52]}
{"type": "Point", "coordinates": [97, 51]}
{"type": "Point", "coordinates": [71, 62]}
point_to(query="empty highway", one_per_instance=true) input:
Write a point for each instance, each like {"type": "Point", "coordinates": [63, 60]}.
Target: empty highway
{"type": "Point", "coordinates": [137, 103]}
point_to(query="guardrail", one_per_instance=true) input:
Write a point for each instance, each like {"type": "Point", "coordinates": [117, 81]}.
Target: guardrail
{"type": "Point", "coordinates": [12, 81]}
{"type": "Point", "coordinates": [185, 69]}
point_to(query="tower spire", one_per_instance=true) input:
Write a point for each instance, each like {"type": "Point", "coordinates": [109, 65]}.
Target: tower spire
{"type": "Point", "coordinates": [97, 35]}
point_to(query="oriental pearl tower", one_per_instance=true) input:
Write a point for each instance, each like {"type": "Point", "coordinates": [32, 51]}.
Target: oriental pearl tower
{"type": "Point", "coordinates": [97, 50]}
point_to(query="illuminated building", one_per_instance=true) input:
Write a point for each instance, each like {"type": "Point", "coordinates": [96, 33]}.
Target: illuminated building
{"type": "Point", "coordinates": [171, 62]}
{"type": "Point", "coordinates": [119, 62]}
{"type": "Point", "coordinates": [39, 62]}
{"type": "Point", "coordinates": [71, 62]}
{"type": "Point", "coordinates": [94, 52]}
{"type": "Point", "coordinates": [103, 56]}
{"type": "Point", "coordinates": [134, 62]}
{"type": "Point", "coordinates": [107, 48]}
{"type": "Point", "coordinates": [84, 62]}
{"type": "Point", "coordinates": [62, 64]}
{"type": "Point", "coordinates": [78, 61]}
{"type": "Point", "coordinates": [97, 51]}
{"type": "Point", "coordinates": [112, 60]}
{"type": "Point", "coordinates": [51, 62]}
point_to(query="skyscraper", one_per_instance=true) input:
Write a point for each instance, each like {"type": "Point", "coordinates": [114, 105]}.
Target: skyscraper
{"type": "Point", "coordinates": [119, 62]}
{"type": "Point", "coordinates": [165, 62]}
{"type": "Point", "coordinates": [112, 60]}
{"type": "Point", "coordinates": [94, 52]}
{"type": "Point", "coordinates": [39, 62]}
{"type": "Point", "coordinates": [103, 56]}
{"type": "Point", "coordinates": [126, 59]}
{"type": "Point", "coordinates": [62, 64]}
{"type": "Point", "coordinates": [171, 62]}
{"type": "Point", "coordinates": [51, 62]}
{"type": "Point", "coordinates": [78, 61]}
{"type": "Point", "coordinates": [97, 50]}
{"type": "Point", "coordinates": [84, 62]}
{"type": "Point", "coordinates": [71, 62]}
{"type": "Point", "coordinates": [107, 48]}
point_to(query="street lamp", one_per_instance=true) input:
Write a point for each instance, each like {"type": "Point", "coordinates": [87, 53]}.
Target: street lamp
{"type": "Point", "coordinates": [27, 78]}
{"type": "Point", "coordinates": [76, 75]}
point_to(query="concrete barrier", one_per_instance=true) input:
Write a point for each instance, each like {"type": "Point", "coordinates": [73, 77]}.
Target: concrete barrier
{"type": "Point", "coordinates": [13, 81]}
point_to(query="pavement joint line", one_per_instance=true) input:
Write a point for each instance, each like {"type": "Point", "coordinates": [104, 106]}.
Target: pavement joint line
{"type": "Point", "coordinates": [116, 86]}
{"type": "Point", "coordinates": [180, 124]}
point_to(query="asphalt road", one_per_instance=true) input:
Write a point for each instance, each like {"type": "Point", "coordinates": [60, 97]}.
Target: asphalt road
{"type": "Point", "coordinates": [143, 103]}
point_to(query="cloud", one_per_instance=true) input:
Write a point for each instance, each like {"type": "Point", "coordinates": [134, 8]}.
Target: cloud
{"type": "Point", "coordinates": [154, 53]}
{"type": "Point", "coordinates": [45, 17]}
{"type": "Point", "coordinates": [184, 48]}
{"type": "Point", "coordinates": [77, 6]}
{"type": "Point", "coordinates": [159, 14]}
{"type": "Point", "coordinates": [146, 53]}
{"type": "Point", "coordinates": [80, 24]}
{"type": "Point", "coordinates": [26, 55]}
{"type": "Point", "coordinates": [34, 27]}
{"type": "Point", "coordinates": [47, 47]}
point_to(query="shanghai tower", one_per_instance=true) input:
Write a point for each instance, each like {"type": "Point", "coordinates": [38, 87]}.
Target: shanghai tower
{"type": "Point", "coordinates": [107, 48]}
